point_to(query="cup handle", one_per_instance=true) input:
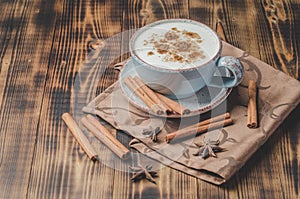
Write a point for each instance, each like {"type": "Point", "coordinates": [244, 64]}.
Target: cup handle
{"type": "Point", "coordinates": [229, 73]}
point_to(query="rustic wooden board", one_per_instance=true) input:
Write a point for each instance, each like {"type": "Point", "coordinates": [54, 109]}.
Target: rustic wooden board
{"type": "Point", "coordinates": [247, 25]}
{"type": "Point", "coordinates": [60, 167]}
{"type": "Point", "coordinates": [24, 52]}
{"type": "Point", "coordinates": [43, 45]}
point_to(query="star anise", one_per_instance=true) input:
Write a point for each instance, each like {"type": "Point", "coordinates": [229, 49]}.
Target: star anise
{"type": "Point", "coordinates": [152, 134]}
{"type": "Point", "coordinates": [140, 172]}
{"type": "Point", "coordinates": [208, 148]}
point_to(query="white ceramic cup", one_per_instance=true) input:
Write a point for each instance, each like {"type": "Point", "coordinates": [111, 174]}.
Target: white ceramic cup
{"type": "Point", "coordinates": [178, 57]}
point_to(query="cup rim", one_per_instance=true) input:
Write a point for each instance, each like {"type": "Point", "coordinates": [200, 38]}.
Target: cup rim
{"type": "Point", "coordinates": [141, 61]}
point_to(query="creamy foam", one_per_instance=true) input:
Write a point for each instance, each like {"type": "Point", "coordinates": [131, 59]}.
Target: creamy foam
{"type": "Point", "coordinates": [176, 44]}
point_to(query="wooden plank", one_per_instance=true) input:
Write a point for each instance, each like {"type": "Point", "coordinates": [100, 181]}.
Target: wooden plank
{"type": "Point", "coordinates": [296, 16]}
{"type": "Point", "coordinates": [60, 168]}
{"type": "Point", "coordinates": [24, 55]}
{"type": "Point", "coordinates": [203, 11]}
{"type": "Point", "coordinates": [246, 26]}
{"type": "Point", "coordinates": [279, 15]}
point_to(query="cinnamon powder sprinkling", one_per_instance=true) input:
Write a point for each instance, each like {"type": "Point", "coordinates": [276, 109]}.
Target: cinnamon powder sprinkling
{"type": "Point", "coordinates": [191, 34]}
{"type": "Point", "coordinates": [177, 46]}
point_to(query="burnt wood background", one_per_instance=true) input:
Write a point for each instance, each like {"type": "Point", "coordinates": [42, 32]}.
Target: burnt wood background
{"type": "Point", "coordinates": [42, 46]}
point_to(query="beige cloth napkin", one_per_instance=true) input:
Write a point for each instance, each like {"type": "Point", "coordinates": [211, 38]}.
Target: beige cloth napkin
{"type": "Point", "coordinates": [278, 95]}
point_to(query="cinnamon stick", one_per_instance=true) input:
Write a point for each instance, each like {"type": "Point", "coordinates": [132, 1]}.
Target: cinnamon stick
{"type": "Point", "coordinates": [79, 136]}
{"type": "Point", "coordinates": [142, 95]}
{"type": "Point", "coordinates": [213, 119]}
{"type": "Point", "coordinates": [178, 108]}
{"type": "Point", "coordinates": [152, 95]}
{"type": "Point", "coordinates": [196, 130]}
{"type": "Point", "coordinates": [105, 136]}
{"type": "Point", "coordinates": [252, 106]}
{"type": "Point", "coordinates": [106, 132]}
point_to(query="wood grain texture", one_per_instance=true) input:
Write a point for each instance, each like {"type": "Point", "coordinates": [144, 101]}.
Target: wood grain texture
{"type": "Point", "coordinates": [24, 60]}
{"type": "Point", "coordinates": [60, 167]}
{"type": "Point", "coordinates": [44, 45]}
{"type": "Point", "coordinates": [246, 27]}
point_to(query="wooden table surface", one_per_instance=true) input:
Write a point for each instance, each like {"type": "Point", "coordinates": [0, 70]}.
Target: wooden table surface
{"type": "Point", "coordinates": [43, 45]}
